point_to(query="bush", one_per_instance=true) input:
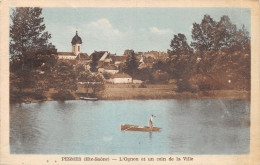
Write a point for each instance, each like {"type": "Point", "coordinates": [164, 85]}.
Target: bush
{"type": "Point", "coordinates": [62, 95]}
{"type": "Point", "coordinates": [184, 85]}
{"type": "Point", "coordinates": [142, 85]}
{"type": "Point", "coordinates": [107, 75]}
{"type": "Point", "coordinates": [39, 95]}
{"type": "Point", "coordinates": [161, 77]}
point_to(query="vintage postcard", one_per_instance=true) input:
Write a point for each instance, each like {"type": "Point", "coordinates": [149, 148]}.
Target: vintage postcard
{"type": "Point", "coordinates": [130, 82]}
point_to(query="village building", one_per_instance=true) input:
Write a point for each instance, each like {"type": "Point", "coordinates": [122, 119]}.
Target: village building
{"type": "Point", "coordinates": [111, 69]}
{"type": "Point", "coordinates": [66, 55]}
{"type": "Point", "coordinates": [117, 60]}
{"type": "Point", "coordinates": [75, 50]}
{"type": "Point", "coordinates": [128, 52]}
{"type": "Point", "coordinates": [137, 81]}
{"type": "Point", "coordinates": [121, 78]}
{"type": "Point", "coordinates": [155, 55]}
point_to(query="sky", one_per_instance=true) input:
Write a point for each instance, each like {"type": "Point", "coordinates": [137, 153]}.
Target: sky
{"type": "Point", "coordinates": [140, 29]}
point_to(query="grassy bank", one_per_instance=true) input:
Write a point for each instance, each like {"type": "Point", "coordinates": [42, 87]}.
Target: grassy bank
{"type": "Point", "coordinates": [133, 92]}
{"type": "Point", "coordinates": [162, 91]}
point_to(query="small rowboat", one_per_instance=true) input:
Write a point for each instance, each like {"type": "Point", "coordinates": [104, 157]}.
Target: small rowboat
{"type": "Point", "coordinates": [89, 98]}
{"type": "Point", "coordinates": [127, 127]}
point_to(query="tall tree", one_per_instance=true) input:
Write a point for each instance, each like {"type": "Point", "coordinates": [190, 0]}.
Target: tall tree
{"type": "Point", "coordinates": [131, 64]}
{"type": "Point", "coordinates": [210, 35]}
{"type": "Point", "coordinates": [203, 34]}
{"type": "Point", "coordinates": [180, 46]}
{"type": "Point", "coordinates": [224, 33]}
{"type": "Point", "coordinates": [64, 77]}
{"type": "Point", "coordinates": [28, 38]}
{"type": "Point", "coordinates": [94, 62]}
{"type": "Point", "coordinates": [242, 37]}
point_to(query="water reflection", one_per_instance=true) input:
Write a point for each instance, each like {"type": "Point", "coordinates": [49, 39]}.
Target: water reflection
{"type": "Point", "coordinates": [150, 136]}
{"type": "Point", "coordinates": [208, 126]}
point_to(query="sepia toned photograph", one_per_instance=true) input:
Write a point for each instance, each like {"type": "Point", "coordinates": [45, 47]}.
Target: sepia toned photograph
{"type": "Point", "coordinates": [129, 80]}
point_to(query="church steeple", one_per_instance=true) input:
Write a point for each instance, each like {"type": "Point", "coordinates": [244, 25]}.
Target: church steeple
{"type": "Point", "coordinates": [76, 44]}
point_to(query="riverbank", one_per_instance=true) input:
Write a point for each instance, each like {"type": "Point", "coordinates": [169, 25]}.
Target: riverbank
{"type": "Point", "coordinates": [163, 91]}
{"type": "Point", "coordinates": [150, 92]}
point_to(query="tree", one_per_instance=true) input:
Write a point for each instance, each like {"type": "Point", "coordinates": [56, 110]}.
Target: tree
{"type": "Point", "coordinates": [131, 64]}
{"type": "Point", "coordinates": [64, 77]}
{"type": "Point", "coordinates": [203, 34]}
{"type": "Point", "coordinates": [180, 46]}
{"type": "Point", "coordinates": [160, 77]}
{"type": "Point", "coordinates": [241, 38]}
{"type": "Point", "coordinates": [212, 36]}
{"type": "Point", "coordinates": [28, 38]}
{"type": "Point", "coordinates": [31, 52]}
{"type": "Point", "coordinates": [92, 80]}
{"type": "Point", "coordinates": [94, 62]}
{"type": "Point", "coordinates": [79, 68]}
{"type": "Point", "coordinates": [145, 74]}
{"type": "Point", "coordinates": [224, 33]}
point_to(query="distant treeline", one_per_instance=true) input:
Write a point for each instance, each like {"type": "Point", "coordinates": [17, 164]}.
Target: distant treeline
{"type": "Point", "coordinates": [217, 58]}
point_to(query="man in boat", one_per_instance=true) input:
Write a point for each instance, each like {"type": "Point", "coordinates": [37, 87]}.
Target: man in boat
{"type": "Point", "coordinates": [151, 122]}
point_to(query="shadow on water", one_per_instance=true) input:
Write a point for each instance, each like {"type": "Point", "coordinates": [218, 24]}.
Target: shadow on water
{"type": "Point", "coordinates": [151, 136]}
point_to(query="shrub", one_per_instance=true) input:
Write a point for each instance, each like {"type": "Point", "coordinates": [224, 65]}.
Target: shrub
{"type": "Point", "coordinates": [62, 95]}
{"type": "Point", "coordinates": [38, 95]}
{"type": "Point", "coordinates": [142, 85]}
{"type": "Point", "coordinates": [184, 85]}
{"type": "Point", "coordinates": [107, 75]}
{"type": "Point", "coordinates": [161, 77]}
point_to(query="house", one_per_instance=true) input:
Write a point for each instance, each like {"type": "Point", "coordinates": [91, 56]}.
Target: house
{"type": "Point", "coordinates": [117, 60]}
{"type": "Point", "coordinates": [121, 78]}
{"type": "Point", "coordinates": [84, 56]}
{"type": "Point", "coordinates": [111, 69]}
{"type": "Point", "coordinates": [104, 56]}
{"type": "Point", "coordinates": [128, 52]}
{"type": "Point", "coordinates": [137, 81]}
{"type": "Point", "coordinates": [155, 55]}
{"type": "Point", "coordinates": [66, 55]}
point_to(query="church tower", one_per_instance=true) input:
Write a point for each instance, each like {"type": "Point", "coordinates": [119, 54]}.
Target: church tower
{"type": "Point", "coordinates": [76, 44]}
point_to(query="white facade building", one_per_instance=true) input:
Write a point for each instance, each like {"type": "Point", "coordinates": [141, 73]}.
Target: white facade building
{"type": "Point", "coordinates": [121, 78]}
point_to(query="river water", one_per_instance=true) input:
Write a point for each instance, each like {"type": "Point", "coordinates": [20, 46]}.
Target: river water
{"type": "Point", "coordinates": [205, 126]}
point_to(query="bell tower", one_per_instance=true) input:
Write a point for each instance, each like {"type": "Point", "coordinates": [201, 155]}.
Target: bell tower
{"type": "Point", "coordinates": [76, 44]}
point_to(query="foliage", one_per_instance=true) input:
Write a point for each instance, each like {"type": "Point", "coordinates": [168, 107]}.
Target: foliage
{"type": "Point", "coordinates": [211, 35]}
{"type": "Point", "coordinates": [28, 38]}
{"type": "Point", "coordinates": [121, 67]}
{"type": "Point", "coordinates": [131, 64]}
{"type": "Point", "coordinates": [145, 74]}
{"type": "Point", "coordinates": [64, 77]}
{"type": "Point", "coordinates": [31, 53]}
{"type": "Point", "coordinates": [62, 95]}
{"type": "Point", "coordinates": [203, 34]}
{"type": "Point", "coordinates": [107, 75]}
{"type": "Point", "coordinates": [142, 85]}
{"type": "Point", "coordinates": [161, 77]}
{"type": "Point", "coordinates": [221, 59]}
{"type": "Point", "coordinates": [160, 65]}
{"type": "Point", "coordinates": [94, 60]}
{"type": "Point", "coordinates": [79, 68]}
{"type": "Point", "coordinates": [93, 81]}
{"type": "Point", "coordinates": [180, 46]}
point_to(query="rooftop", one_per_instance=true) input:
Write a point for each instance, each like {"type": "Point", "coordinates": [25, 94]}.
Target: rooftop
{"type": "Point", "coordinates": [121, 75]}
{"type": "Point", "coordinates": [66, 53]}
{"type": "Point", "coordinates": [76, 39]}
